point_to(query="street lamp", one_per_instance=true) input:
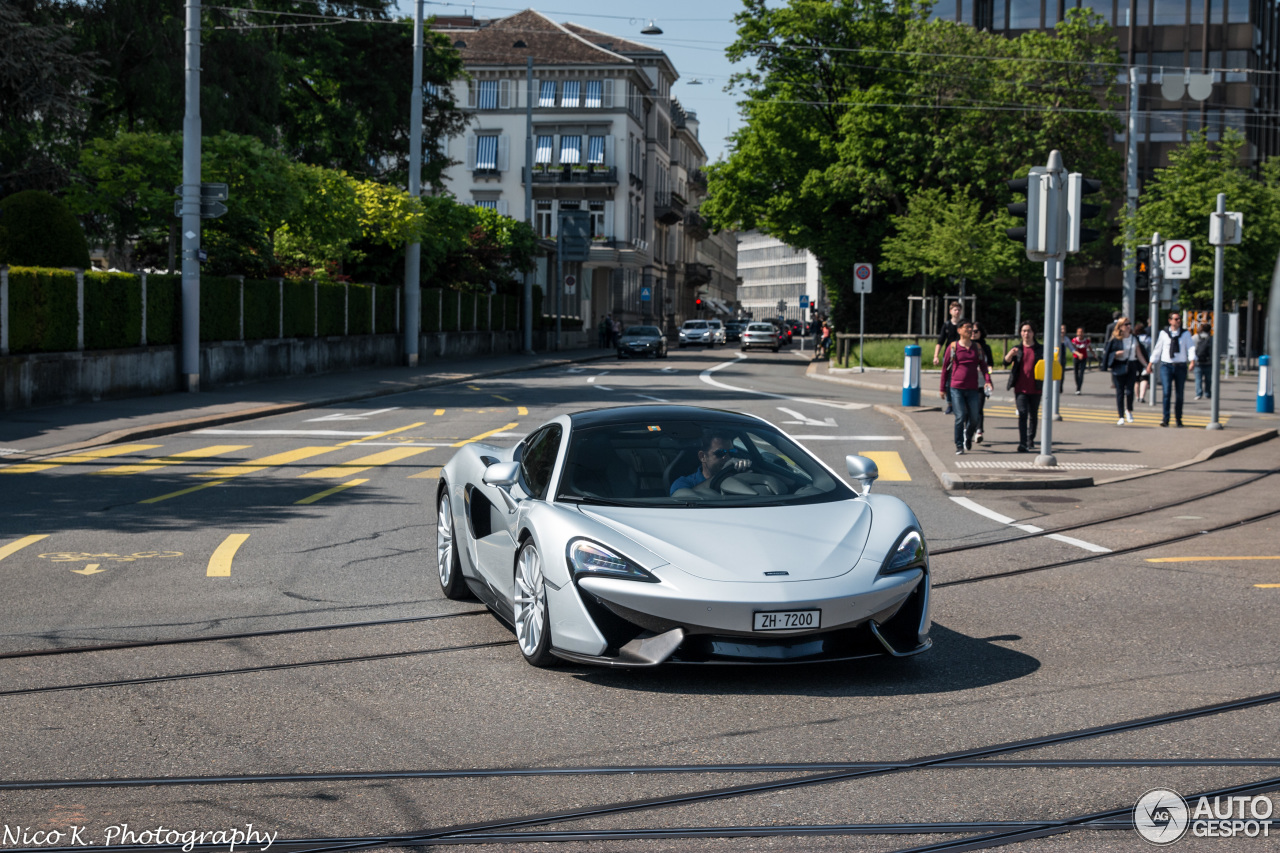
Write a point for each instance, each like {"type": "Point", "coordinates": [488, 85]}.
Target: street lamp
{"type": "Point", "coordinates": [652, 30]}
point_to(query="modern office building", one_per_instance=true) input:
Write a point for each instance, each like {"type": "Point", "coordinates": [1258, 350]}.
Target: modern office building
{"type": "Point", "coordinates": [608, 138]}
{"type": "Point", "coordinates": [771, 272]}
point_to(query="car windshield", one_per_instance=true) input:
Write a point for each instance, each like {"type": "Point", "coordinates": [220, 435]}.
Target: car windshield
{"type": "Point", "coordinates": [759, 327]}
{"type": "Point", "coordinates": [643, 331]}
{"type": "Point", "coordinates": [709, 462]}
{"type": "Point", "coordinates": [695, 324]}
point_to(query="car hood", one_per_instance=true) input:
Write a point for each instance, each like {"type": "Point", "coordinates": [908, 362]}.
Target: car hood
{"type": "Point", "coordinates": [650, 339]}
{"type": "Point", "coordinates": [737, 544]}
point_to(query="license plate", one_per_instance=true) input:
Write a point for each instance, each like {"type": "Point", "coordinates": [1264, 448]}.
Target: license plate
{"type": "Point", "coordinates": [787, 620]}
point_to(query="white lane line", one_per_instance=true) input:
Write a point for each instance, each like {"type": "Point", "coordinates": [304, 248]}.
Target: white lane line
{"type": "Point", "coordinates": [322, 432]}
{"type": "Point", "coordinates": [805, 420]}
{"type": "Point", "coordinates": [705, 376]}
{"type": "Point", "coordinates": [846, 437]}
{"type": "Point", "coordinates": [654, 399]}
{"type": "Point", "coordinates": [604, 387]}
{"type": "Point", "coordinates": [358, 416]}
{"type": "Point", "coordinates": [590, 379]}
{"type": "Point", "coordinates": [973, 506]}
{"type": "Point", "coordinates": [668, 370]}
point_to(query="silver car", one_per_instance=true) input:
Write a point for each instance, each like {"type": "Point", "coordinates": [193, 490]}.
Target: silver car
{"type": "Point", "coordinates": [639, 535]}
{"type": "Point", "coordinates": [760, 335]}
{"type": "Point", "coordinates": [697, 332]}
{"type": "Point", "coordinates": [717, 330]}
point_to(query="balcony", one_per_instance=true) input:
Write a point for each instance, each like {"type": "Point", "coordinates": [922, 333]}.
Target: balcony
{"type": "Point", "coordinates": [696, 273]}
{"type": "Point", "coordinates": [696, 226]}
{"type": "Point", "coordinates": [605, 175]}
{"type": "Point", "coordinates": [668, 208]}
{"type": "Point", "coordinates": [485, 174]}
{"type": "Point", "coordinates": [698, 180]}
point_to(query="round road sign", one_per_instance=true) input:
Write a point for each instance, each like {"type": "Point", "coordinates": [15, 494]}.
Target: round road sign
{"type": "Point", "coordinates": [862, 271]}
{"type": "Point", "coordinates": [1177, 253]}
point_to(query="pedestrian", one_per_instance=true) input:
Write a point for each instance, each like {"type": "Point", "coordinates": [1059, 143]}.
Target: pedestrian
{"type": "Point", "coordinates": [980, 340]}
{"type": "Point", "coordinates": [1140, 332]}
{"type": "Point", "coordinates": [1111, 327]}
{"type": "Point", "coordinates": [947, 337]}
{"type": "Point", "coordinates": [822, 353]}
{"type": "Point", "coordinates": [1173, 351]}
{"type": "Point", "coordinates": [617, 330]}
{"type": "Point", "coordinates": [1204, 362]}
{"type": "Point", "coordinates": [966, 375]}
{"type": "Point", "coordinates": [1064, 348]}
{"type": "Point", "coordinates": [1022, 381]}
{"type": "Point", "coordinates": [1080, 356]}
{"type": "Point", "coordinates": [1124, 357]}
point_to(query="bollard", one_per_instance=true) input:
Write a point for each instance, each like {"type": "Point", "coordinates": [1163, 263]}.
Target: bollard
{"type": "Point", "coordinates": [1266, 386]}
{"type": "Point", "coordinates": [911, 377]}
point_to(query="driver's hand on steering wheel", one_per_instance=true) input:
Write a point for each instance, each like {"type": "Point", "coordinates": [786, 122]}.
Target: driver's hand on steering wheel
{"type": "Point", "coordinates": [738, 464]}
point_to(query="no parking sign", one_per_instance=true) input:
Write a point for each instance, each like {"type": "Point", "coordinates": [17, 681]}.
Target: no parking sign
{"type": "Point", "coordinates": [863, 275]}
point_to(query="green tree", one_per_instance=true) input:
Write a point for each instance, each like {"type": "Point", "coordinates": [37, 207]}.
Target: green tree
{"type": "Point", "coordinates": [1177, 202]}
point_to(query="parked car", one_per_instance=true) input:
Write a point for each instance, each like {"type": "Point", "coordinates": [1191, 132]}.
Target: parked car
{"type": "Point", "coordinates": [602, 539]}
{"type": "Point", "coordinates": [697, 332]}
{"type": "Point", "coordinates": [643, 340]}
{"type": "Point", "coordinates": [760, 335]}
{"type": "Point", "coordinates": [717, 328]}
{"type": "Point", "coordinates": [733, 331]}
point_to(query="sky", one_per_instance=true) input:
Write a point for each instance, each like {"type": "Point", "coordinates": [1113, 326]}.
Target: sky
{"type": "Point", "coordinates": [695, 36]}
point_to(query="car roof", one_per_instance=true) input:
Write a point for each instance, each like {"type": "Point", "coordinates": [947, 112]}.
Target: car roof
{"type": "Point", "coordinates": [632, 414]}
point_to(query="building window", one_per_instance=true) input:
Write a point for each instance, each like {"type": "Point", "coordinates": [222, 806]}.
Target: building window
{"type": "Point", "coordinates": [595, 95]}
{"type": "Point", "coordinates": [547, 93]}
{"type": "Point", "coordinates": [487, 204]}
{"type": "Point", "coordinates": [542, 152]}
{"type": "Point", "coordinates": [569, 93]}
{"type": "Point", "coordinates": [1105, 8]}
{"type": "Point", "coordinates": [570, 150]}
{"type": "Point", "coordinates": [1024, 14]}
{"type": "Point", "coordinates": [595, 150]}
{"type": "Point", "coordinates": [487, 95]}
{"type": "Point", "coordinates": [487, 153]}
{"type": "Point", "coordinates": [542, 218]}
{"type": "Point", "coordinates": [597, 218]}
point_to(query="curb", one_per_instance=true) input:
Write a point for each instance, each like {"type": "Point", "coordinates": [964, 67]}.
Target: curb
{"type": "Point", "coordinates": [1203, 456]}
{"type": "Point", "coordinates": [170, 427]}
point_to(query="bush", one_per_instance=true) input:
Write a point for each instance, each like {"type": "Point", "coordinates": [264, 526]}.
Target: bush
{"type": "Point", "coordinates": [38, 230]}
{"type": "Point", "coordinates": [164, 309]}
{"type": "Point", "coordinates": [386, 307]}
{"type": "Point", "coordinates": [333, 309]}
{"type": "Point", "coordinates": [261, 309]}
{"type": "Point", "coordinates": [359, 309]}
{"type": "Point", "coordinates": [112, 310]}
{"type": "Point", "coordinates": [42, 310]}
{"type": "Point", "coordinates": [219, 308]}
{"type": "Point", "coordinates": [449, 310]}
{"type": "Point", "coordinates": [299, 309]}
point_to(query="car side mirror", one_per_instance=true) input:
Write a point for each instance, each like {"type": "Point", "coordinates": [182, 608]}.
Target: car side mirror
{"type": "Point", "coordinates": [503, 474]}
{"type": "Point", "coordinates": [863, 470]}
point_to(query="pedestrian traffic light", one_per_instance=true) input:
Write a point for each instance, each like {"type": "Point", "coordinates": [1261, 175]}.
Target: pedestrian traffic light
{"type": "Point", "coordinates": [1040, 212]}
{"type": "Point", "coordinates": [1142, 264]}
{"type": "Point", "coordinates": [1078, 212]}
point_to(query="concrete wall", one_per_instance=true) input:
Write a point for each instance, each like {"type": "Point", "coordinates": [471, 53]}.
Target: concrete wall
{"type": "Point", "coordinates": [45, 379]}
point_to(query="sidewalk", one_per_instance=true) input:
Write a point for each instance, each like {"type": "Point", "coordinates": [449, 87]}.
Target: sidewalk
{"type": "Point", "coordinates": [59, 429]}
{"type": "Point", "coordinates": [1089, 447]}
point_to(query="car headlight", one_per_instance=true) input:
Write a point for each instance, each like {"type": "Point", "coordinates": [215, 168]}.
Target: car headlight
{"type": "Point", "coordinates": [590, 558]}
{"type": "Point", "coordinates": [910, 554]}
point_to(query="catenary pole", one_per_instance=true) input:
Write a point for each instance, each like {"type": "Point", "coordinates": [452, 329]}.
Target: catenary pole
{"type": "Point", "coordinates": [1218, 322]}
{"type": "Point", "coordinates": [191, 143]}
{"type": "Point", "coordinates": [413, 251]}
{"type": "Point", "coordinates": [528, 199]}
{"type": "Point", "coordinates": [1129, 300]}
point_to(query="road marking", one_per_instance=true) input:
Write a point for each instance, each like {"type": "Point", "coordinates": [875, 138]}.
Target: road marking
{"type": "Point", "coordinates": [647, 397]}
{"type": "Point", "coordinates": [521, 411]}
{"type": "Point", "coordinates": [1147, 418]}
{"type": "Point", "coordinates": [356, 417]}
{"type": "Point", "coordinates": [973, 506]}
{"type": "Point", "coordinates": [482, 436]}
{"type": "Point", "coordinates": [1267, 585]}
{"type": "Point", "coordinates": [474, 387]}
{"type": "Point", "coordinates": [846, 437]}
{"type": "Point", "coordinates": [889, 463]}
{"type": "Point", "coordinates": [77, 458]}
{"type": "Point", "coordinates": [705, 376]}
{"type": "Point", "coordinates": [15, 547]}
{"type": "Point", "coordinates": [338, 488]}
{"type": "Point", "coordinates": [90, 569]}
{"type": "Point", "coordinates": [502, 398]}
{"type": "Point", "coordinates": [182, 492]}
{"type": "Point", "coordinates": [321, 433]}
{"type": "Point", "coordinates": [220, 562]}
{"type": "Point", "coordinates": [429, 474]}
{"type": "Point", "coordinates": [364, 463]}
{"type": "Point", "coordinates": [439, 412]}
{"type": "Point", "coordinates": [1203, 559]}
{"type": "Point", "coordinates": [668, 370]}
{"type": "Point", "coordinates": [175, 459]}
{"type": "Point", "coordinates": [603, 388]}
{"type": "Point", "coordinates": [383, 434]}
{"type": "Point", "coordinates": [272, 461]}
{"type": "Point", "coordinates": [804, 420]}
{"type": "Point", "coordinates": [591, 379]}
{"type": "Point", "coordinates": [83, 556]}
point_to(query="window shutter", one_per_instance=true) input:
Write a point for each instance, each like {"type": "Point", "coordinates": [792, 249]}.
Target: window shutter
{"type": "Point", "coordinates": [471, 94]}
{"type": "Point", "coordinates": [504, 94]}
{"type": "Point", "coordinates": [471, 152]}
{"type": "Point", "coordinates": [608, 152]}
{"type": "Point", "coordinates": [607, 101]}
{"type": "Point", "coordinates": [502, 203]}
{"type": "Point", "coordinates": [608, 219]}
{"type": "Point", "coordinates": [503, 152]}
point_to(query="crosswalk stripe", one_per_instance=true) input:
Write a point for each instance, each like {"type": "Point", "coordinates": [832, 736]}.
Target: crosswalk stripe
{"type": "Point", "coordinates": [77, 458]}
{"type": "Point", "coordinates": [364, 463]}
{"type": "Point", "coordinates": [889, 463]}
{"type": "Point", "coordinates": [429, 474]}
{"type": "Point", "coordinates": [1104, 417]}
{"type": "Point", "coordinates": [175, 459]}
{"type": "Point", "coordinates": [273, 461]}
{"type": "Point", "coordinates": [321, 495]}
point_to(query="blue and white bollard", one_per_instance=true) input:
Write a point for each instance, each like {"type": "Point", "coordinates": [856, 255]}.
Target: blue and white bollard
{"type": "Point", "coordinates": [1266, 386]}
{"type": "Point", "coordinates": [911, 377]}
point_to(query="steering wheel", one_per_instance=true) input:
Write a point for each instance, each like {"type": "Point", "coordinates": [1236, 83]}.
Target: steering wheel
{"type": "Point", "coordinates": [717, 480]}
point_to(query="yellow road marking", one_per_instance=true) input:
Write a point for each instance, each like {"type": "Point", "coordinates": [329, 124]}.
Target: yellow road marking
{"type": "Point", "coordinates": [474, 387]}
{"type": "Point", "coordinates": [220, 562]}
{"type": "Point", "coordinates": [1102, 416]}
{"type": "Point", "coordinates": [1267, 585]}
{"type": "Point", "coordinates": [521, 410]}
{"type": "Point", "coordinates": [1202, 559]}
{"type": "Point", "coordinates": [15, 547]}
{"type": "Point", "coordinates": [338, 488]}
{"type": "Point", "coordinates": [889, 463]}
{"type": "Point", "coordinates": [272, 461]}
{"type": "Point", "coordinates": [502, 398]}
{"type": "Point", "coordinates": [175, 459]}
{"type": "Point", "coordinates": [90, 569]}
{"type": "Point", "coordinates": [482, 436]}
{"type": "Point", "coordinates": [182, 492]}
{"type": "Point", "coordinates": [364, 463]}
{"type": "Point", "coordinates": [429, 474]}
{"type": "Point", "coordinates": [88, 456]}
{"type": "Point", "coordinates": [439, 412]}
{"type": "Point", "coordinates": [381, 434]}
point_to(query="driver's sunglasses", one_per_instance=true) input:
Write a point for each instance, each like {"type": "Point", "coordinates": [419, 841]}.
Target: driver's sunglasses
{"type": "Point", "coordinates": [722, 452]}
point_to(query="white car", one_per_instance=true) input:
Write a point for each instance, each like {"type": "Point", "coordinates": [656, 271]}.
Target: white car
{"type": "Point", "coordinates": [718, 329]}
{"type": "Point", "coordinates": [698, 332]}
{"type": "Point", "coordinates": [760, 335]}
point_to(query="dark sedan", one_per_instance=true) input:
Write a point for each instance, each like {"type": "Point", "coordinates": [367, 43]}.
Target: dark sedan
{"type": "Point", "coordinates": [643, 340]}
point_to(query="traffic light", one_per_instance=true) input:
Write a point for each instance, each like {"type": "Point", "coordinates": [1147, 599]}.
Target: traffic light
{"type": "Point", "coordinates": [1078, 212]}
{"type": "Point", "coordinates": [697, 303]}
{"type": "Point", "coordinates": [1142, 263]}
{"type": "Point", "coordinates": [1021, 209]}
{"type": "Point", "coordinates": [1040, 211]}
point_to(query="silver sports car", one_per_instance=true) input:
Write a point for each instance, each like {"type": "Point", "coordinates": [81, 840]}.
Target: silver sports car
{"type": "Point", "coordinates": [639, 535]}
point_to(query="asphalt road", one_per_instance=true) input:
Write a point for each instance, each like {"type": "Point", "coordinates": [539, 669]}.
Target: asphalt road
{"type": "Point", "coordinates": [324, 517]}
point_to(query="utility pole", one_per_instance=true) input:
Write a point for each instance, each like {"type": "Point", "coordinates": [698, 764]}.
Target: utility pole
{"type": "Point", "coordinates": [1129, 299]}
{"type": "Point", "coordinates": [191, 203]}
{"type": "Point", "coordinates": [413, 251]}
{"type": "Point", "coordinates": [528, 199]}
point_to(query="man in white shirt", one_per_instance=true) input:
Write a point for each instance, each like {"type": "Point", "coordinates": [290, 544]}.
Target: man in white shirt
{"type": "Point", "coordinates": [1174, 349]}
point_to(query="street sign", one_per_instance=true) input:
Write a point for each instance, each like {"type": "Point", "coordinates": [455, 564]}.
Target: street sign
{"type": "Point", "coordinates": [208, 209]}
{"type": "Point", "coordinates": [646, 294]}
{"type": "Point", "coordinates": [1177, 258]}
{"type": "Point", "coordinates": [804, 300]}
{"type": "Point", "coordinates": [863, 275]}
{"type": "Point", "coordinates": [570, 285]}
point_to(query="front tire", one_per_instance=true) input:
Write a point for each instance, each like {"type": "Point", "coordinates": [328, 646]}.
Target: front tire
{"type": "Point", "coordinates": [448, 563]}
{"type": "Point", "coordinates": [532, 620]}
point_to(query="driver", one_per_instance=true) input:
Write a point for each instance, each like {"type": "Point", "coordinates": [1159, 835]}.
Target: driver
{"type": "Point", "coordinates": [716, 453]}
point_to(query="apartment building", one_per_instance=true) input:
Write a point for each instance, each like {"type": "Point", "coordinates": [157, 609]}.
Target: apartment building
{"type": "Point", "coordinates": [770, 272]}
{"type": "Point", "coordinates": [608, 138]}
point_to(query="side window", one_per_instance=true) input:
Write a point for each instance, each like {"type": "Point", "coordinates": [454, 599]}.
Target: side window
{"type": "Point", "coordinates": [539, 460]}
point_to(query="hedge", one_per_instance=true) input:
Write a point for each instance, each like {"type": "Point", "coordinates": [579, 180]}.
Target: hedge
{"type": "Point", "coordinates": [219, 308]}
{"type": "Point", "coordinates": [164, 309]}
{"type": "Point", "coordinates": [112, 310]}
{"type": "Point", "coordinates": [359, 309]}
{"type": "Point", "coordinates": [299, 309]}
{"type": "Point", "coordinates": [386, 295]}
{"type": "Point", "coordinates": [43, 315]}
{"type": "Point", "coordinates": [261, 309]}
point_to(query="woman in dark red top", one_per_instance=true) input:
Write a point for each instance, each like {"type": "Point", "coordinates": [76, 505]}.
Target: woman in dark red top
{"type": "Point", "coordinates": [1022, 380]}
{"type": "Point", "coordinates": [965, 373]}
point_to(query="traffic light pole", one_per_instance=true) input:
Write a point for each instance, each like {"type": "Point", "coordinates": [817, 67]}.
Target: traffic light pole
{"type": "Point", "coordinates": [413, 251]}
{"type": "Point", "coordinates": [1154, 287]}
{"type": "Point", "coordinates": [1218, 322]}
{"type": "Point", "coordinates": [1046, 457]}
{"type": "Point", "coordinates": [191, 197]}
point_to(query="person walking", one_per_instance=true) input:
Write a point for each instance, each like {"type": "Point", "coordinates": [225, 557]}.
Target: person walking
{"type": "Point", "coordinates": [1204, 362]}
{"type": "Point", "coordinates": [1173, 351]}
{"type": "Point", "coordinates": [947, 337]}
{"type": "Point", "coordinates": [1140, 332]}
{"type": "Point", "coordinates": [1080, 356]}
{"type": "Point", "coordinates": [980, 341]}
{"type": "Point", "coordinates": [1124, 357]}
{"type": "Point", "coordinates": [1022, 381]}
{"type": "Point", "coordinates": [963, 365]}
